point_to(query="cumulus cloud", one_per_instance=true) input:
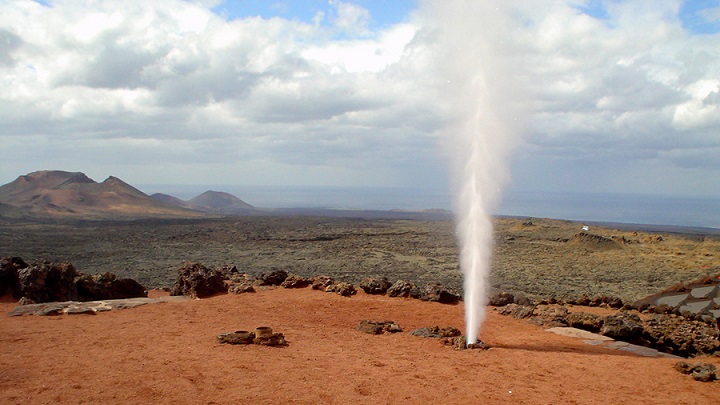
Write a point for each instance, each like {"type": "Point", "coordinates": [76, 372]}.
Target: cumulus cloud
{"type": "Point", "coordinates": [173, 84]}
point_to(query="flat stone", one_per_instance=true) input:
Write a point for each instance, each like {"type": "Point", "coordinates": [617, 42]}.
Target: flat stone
{"type": "Point", "coordinates": [80, 310]}
{"type": "Point", "coordinates": [58, 308]}
{"type": "Point", "coordinates": [604, 341]}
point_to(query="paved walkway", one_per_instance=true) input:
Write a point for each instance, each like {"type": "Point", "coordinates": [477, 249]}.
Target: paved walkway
{"type": "Point", "coordinates": [604, 341]}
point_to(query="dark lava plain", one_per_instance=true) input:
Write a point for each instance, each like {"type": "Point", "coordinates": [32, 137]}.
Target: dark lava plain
{"type": "Point", "coordinates": [541, 258]}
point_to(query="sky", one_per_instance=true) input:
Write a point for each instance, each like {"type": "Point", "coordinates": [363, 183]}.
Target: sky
{"type": "Point", "coordinates": [616, 96]}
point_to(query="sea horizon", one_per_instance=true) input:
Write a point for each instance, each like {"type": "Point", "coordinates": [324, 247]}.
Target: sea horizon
{"type": "Point", "coordinates": [591, 207]}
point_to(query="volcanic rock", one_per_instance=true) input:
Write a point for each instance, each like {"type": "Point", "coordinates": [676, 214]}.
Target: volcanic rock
{"type": "Point", "coordinates": [500, 299]}
{"type": "Point", "coordinates": [107, 286]}
{"type": "Point", "coordinates": [240, 337]}
{"type": "Point", "coordinates": [375, 286]}
{"type": "Point", "coordinates": [240, 288]}
{"type": "Point", "coordinates": [437, 332]}
{"type": "Point", "coordinates": [275, 277]}
{"type": "Point", "coordinates": [378, 327]}
{"type": "Point", "coordinates": [276, 339]}
{"type": "Point", "coordinates": [681, 336]}
{"type": "Point", "coordinates": [321, 282]}
{"type": "Point", "coordinates": [404, 289]}
{"type": "Point", "coordinates": [516, 311]}
{"type": "Point", "coordinates": [460, 343]}
{"type": "Point", "coordinates": [342, 288]}
{"type": "Point", "coordinates": [9, 282]}
{"type": "Point", "coordinates": [438, 293]}
{"type": "Point", "coordinates": [550, 316]}
{"type": "Point", "coordinates": [198, 281]}
{"type": "Point", "coordinates": [295, 281]}
{"type": "Point", "coordinates": [47, 282]}
{"type": "Point", "coordinates": [585, 321]}
{"type": "Point", "coordinates": [704, 372]}
{"type": "Point", "coordinates": [622, 326]}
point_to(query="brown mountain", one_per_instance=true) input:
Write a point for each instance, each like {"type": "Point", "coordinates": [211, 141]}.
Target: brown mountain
{"type": "Point", "coordinates": [219, 202]}
{"type": "Point", "coordinates": [73, 194]}
{"type": "Point", "coordinates": [170, 200]}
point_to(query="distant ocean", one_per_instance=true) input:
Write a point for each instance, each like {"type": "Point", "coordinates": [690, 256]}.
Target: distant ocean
{"type": "Point", "coordinates": [597, 207]}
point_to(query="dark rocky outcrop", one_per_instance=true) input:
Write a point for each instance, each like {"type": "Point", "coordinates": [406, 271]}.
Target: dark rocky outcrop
{"type": "Point", "coordinates": [107, 286]}
{"type": "Point", "coordinates": [44, 281]}
{"type": "Point", "coordinates": [240, 288]}
{"type": "Point", "coordinates": [550, 316]}
{"type": "Point", "coordinates": [375, 286]}
{"type": "Point", "coordinates": [198, 281]}
{"type": "Point", "coordinates": [681, 336]}
{"type": "Point", "coordinates": [9, 283]}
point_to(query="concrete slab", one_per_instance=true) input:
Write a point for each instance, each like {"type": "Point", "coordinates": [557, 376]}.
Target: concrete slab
{"type": "Point", "coordinates": [604, 341]}
{"type": "Point", "coordinates": [695, 307]}
{"type": "Point", "coordinates": [704, 292]}
{"type": "Point", "coordinates": [671, 300]}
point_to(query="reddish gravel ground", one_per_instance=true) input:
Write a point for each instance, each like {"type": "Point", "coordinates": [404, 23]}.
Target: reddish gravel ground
{"type": "Point", "coordinates": [167, 353]}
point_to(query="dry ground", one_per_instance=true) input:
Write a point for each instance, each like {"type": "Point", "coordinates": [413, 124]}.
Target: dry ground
{"type": "Point", "coordinates": [167, 353]}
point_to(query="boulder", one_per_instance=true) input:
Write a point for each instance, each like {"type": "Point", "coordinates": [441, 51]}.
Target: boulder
{"type": "Point", "coordinates": [107, 287]}
{"type": "Point", "coordinates": [585, 321]}
{"type": "Point", "coordinates": [342, 288]}
{"type": "Point", "coordinates": [45, 281]}
{"type": "Point", "coordinates": [295, 281]}
{"type": "Point", "coordinates": [437, 293]}
{"type": "Point", "coordinates": [622, 326]}
{"type": "Point", "coordinates": [275, 277]}
{"type": "Point", "coordinates": [550, 316]}
{"type": "Point", "coordinates": [500, 299]}
{"type": "Point", "coordinates": [516, 311]}
{"type": "Point", "coordinates": [321, 282]}
{"type": "Point", "coordinates": [240, 288]}
{"type": "Point", "coordinates": [681, 336]}
{"type": "Point", "coordinates": [9, 283]}
{"type": "Point", "coordinates": [704, 372]}
{"type": "Point", "coordinates": [404, 289]}
{"type": "Point", "coordinates": [375, 286]}
{"type": "Point", "coordinates": [198, 281]}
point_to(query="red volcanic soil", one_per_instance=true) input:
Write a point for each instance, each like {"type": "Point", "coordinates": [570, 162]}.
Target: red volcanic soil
{"type": "Point", "coordinates": [167, 353]}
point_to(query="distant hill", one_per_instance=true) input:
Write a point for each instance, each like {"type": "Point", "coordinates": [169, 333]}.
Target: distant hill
{"type": "Point", "coordinates": [58, 193]}
{"type": "Point", "coordinates": [216, 202]}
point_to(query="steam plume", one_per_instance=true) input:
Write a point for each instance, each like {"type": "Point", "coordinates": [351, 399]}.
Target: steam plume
{"type": "Point", "coordinates": [474, 63]}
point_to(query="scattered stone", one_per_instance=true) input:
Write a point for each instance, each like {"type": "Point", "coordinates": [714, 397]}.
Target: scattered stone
{"type": "Point", "coordinates": [198, 281]}
{"type": "Point", "coordinates": [437, 332]}
{"type": "Point", "coordinates": [375, 286]}
{"type": "Point", "coordinates": [295, 281]}
{"type": "Point", "coordinates": [378, 327]}
{"type": "Point", "coordinates": [516, 311]}
{"type": "Point", "coordinates": [438, 293]}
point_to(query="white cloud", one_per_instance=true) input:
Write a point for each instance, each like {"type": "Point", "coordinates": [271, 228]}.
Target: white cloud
{"type": "Point", "coordinates": [168, 83]}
